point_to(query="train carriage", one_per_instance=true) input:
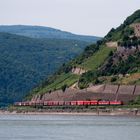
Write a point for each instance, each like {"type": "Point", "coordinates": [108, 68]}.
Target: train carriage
{"type": "Point", "coordinates": [32, 103]}
{"type": "Point", "coordinates": [55, 103]}
{"type": "Point", "coordinates": [45, 103]}
{"type": "Point", "coordinates": [94, 102]}
{"type": "Point", "coordinates": [37, 103]}
{"type": "Point", "coordinates": [116, 103]}
{"type": "Point", "coordinates": [80, 102]}
{"type": "Point", "coordinates": [103, 103]}
{"type": "Point", "coordinates": [73, 103]}
{"type": "Point", "coordinates": [67, 103]}
{"type": "Point", "coordinates": [18, 103]}
{"type": "Point", "coordinates": [50, 103]}
{"type": "Point", "coordinates": [61, 103]}
{"type": "Point", "coordinates": [86, 102]}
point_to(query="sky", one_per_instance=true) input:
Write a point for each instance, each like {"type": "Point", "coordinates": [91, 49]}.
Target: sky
{"type": "Point", "coordinates": [87, 17]}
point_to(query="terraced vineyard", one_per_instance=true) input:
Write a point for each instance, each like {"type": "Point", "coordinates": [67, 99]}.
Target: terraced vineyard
{"type": "Point", "coordinates": [61, 80]}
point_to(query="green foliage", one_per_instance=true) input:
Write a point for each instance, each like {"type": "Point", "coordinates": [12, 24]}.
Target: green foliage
{"type": "Point", "coordinates": [124, 29]}
{"type": "Point", "coordinates": [135, 102]}
{"type": "Point", "coordinates": [97, 59]}
{"type": "Point", "coordinates": [64, 87]}
{"type": "Point", "coordinates": [25, 62]}
{"type": "Point", "coordinates": [122, 32]}
{"type": "Point", "coordinates": [130, 65]}
{"type": "Point", "coordinates": [128, 31]}
{"type": "Point", "coordinates": [113, 79]}
{"type": "Point", "coordinates": [133, 18]}
{"type": "Point", "coordinates": [40, 32]}
{"type": "Point", "coordinates": [88, 52]}
{"type": "Point", "coordinates": [86, 78]}
{"type": "Point", "coordinates": [55, 83]}
{"type": "Point", "coordinates": [63, 75]}
{"type": "Point", "coordinates": [128, 42]}
{"type": "Point", "coordinates": [113, 35]}
{"type": "Point", "coordinates": [93, 63]}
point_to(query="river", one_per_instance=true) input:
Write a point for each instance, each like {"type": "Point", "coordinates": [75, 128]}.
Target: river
{"type": "Point", "coordinates": [68, 127]}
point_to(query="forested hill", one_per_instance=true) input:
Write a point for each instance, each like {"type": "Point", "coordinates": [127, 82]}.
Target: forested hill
{"type": "Point", "coordinates": [25, 62]}
{"type": "Point", "coordinates": [45, 32]}
{"type": "Point", "coordinates": [113, 60]}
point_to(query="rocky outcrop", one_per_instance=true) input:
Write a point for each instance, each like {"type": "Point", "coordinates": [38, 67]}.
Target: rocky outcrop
{"type": "Point", "coordinates": [78, 71]}
{"type": "Point", "coordinates": [136, 27]}
{"type": "Point", "coordinates": [124, 53]}
{"type": "Point", "coordinates": [112, 44]}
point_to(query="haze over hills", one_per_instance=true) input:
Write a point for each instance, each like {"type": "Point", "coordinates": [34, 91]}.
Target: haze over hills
{"type": "Point", "coordinates": [113, 60]}
{"type": "Point", "coordinates": [44, 32]}
{"type": "Point", "coordinates": [27, 60]}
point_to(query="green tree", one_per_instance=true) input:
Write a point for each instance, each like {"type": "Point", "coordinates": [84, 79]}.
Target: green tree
{"type": "Point", "coordinates": [64, 87]}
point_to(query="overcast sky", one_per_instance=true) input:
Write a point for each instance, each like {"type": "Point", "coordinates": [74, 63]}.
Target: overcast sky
{"type": "Point", "coordinates": [90, 17]}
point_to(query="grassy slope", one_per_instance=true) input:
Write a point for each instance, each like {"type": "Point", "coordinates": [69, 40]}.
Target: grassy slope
{"type": "Point", "coordinates": [68, 79]}
{"type": "Point", "coordinates": [95, 61]}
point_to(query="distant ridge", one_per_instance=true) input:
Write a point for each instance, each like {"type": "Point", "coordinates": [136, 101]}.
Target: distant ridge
{"type": "Point", "coordinates": [45, 32]}
{"type": "Point", "coordinates": [29, 54]}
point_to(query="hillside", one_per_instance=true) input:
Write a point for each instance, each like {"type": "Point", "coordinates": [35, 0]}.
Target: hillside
{"type": "Point", "coordinates": [45, 32]}
{"type": "Point", "coordinates": [114, 60]}
{"type": "Point", "coordinates": [65, 76]}
{"type": "Point", "coordinates": [25, 62]}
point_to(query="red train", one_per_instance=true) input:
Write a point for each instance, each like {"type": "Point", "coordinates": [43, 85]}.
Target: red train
{"type": "Point", "coordinates": [68, 103]}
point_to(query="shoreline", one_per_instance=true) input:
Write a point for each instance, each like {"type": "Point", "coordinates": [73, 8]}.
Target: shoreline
{"type": "Point", "coordinates": [113, 113]}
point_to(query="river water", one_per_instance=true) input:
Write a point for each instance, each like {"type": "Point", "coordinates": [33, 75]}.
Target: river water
{"type": "Point", "coordinates": [67, 127]}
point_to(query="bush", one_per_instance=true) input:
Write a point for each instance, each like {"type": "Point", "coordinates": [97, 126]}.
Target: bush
{"type": "Point", "coordinates": [137, 101]}
{"type": "Point", "coordinates": [64, 88]}
{"type": "Point", "coordinates": [113, 79]}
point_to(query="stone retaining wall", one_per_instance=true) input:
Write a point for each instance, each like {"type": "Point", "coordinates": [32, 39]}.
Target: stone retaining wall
{"type": "Point", "coordinates": [124, 93]}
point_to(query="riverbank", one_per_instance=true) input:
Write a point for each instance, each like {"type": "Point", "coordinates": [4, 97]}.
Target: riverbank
{"type": "Point", "coordinates": [99, 112]}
